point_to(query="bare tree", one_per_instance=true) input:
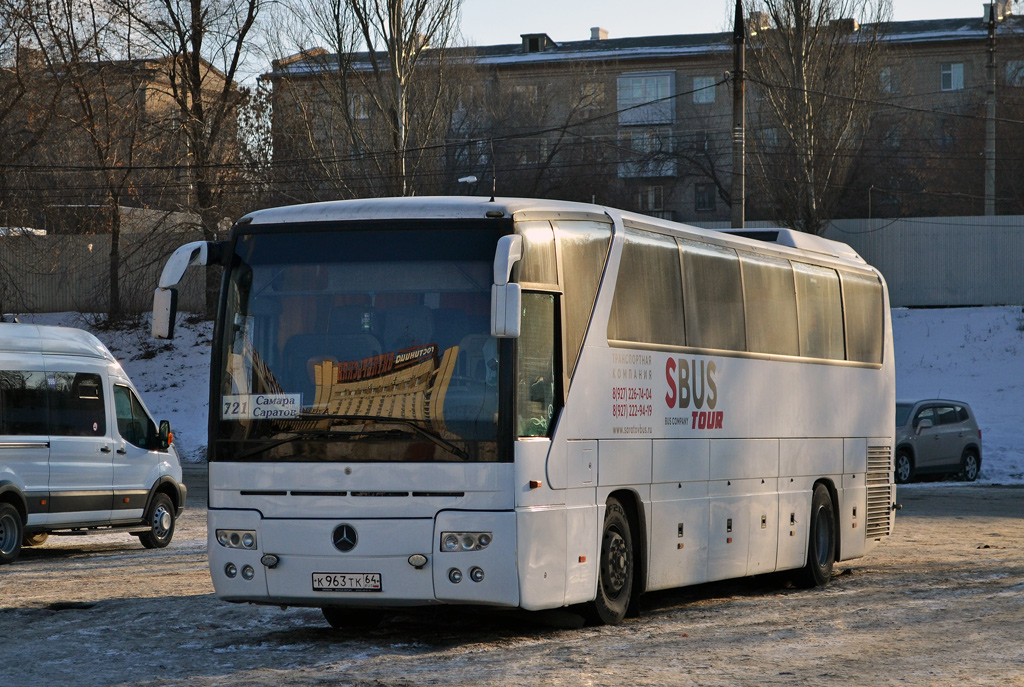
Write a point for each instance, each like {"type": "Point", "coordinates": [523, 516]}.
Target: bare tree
{"type": "Point", "coordinates": [26, 110]}
{"type": "Point", "coordinates": [814, 64]}
{"type": "Point", "coordinates": [89, 56]}
{"type": "Point", "coordinates": [208, 42]}
{"type": "Point", "coordinates": [373, 108]}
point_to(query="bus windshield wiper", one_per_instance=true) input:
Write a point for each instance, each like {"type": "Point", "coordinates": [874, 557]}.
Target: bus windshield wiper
{"type": "Point", "coordinates": [432, 436]}
{"type": "Point", "coordinates": [292, 436]}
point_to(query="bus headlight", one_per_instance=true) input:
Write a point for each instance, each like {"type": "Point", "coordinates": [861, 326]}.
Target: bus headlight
{"type": "Point", "coordinates": [237, 539]}
{"type": "Point", "coordinates": [465, 541]}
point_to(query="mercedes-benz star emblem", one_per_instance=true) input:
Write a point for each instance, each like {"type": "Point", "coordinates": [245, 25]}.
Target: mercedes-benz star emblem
{"type": "Point", "coordinates": [345, 538]}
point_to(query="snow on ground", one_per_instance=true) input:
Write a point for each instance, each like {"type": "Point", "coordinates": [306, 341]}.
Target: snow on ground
{"type": "Point", "coordinates": [974, 355]}
{"type": "Point", "coordinates": [967, 354]}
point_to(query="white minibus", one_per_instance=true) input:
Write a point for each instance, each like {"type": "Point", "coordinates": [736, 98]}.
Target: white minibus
{"type": "Point", "coordinates": [79, 452]}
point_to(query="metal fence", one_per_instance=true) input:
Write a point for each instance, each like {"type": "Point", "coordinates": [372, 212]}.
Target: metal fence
{"type": "Point", "coordinates": [927, 261]}
{"type": "Point", "coordinates": [59, 272]}
{"type": "Point", "coordinates": [939, 261]}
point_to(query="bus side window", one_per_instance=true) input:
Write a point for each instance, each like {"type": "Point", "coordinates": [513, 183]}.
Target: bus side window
{"type": "Point", "coordinates": [535, 392]}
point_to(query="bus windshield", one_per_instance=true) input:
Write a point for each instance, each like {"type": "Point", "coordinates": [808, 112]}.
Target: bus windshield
{"type": "Point", "coordinates": [359, 344]}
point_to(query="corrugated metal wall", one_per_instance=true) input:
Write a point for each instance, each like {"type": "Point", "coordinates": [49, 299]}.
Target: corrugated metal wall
{"type": "Point", "coordinates": [59, 273]}
{"type": "Point", "coordinates": [939, 261]}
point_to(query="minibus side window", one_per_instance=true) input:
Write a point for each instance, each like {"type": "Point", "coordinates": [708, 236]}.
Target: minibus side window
{"type": "Point", "coordinates": [76, 405]}
{"type": "Point", "coordinates": [23, 402]}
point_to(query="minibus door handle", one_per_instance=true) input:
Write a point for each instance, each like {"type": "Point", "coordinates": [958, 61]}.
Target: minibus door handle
{"type": "Point", "coordinates": [121, 451]}
{"type": "Point", "coordinates": [104, 449]}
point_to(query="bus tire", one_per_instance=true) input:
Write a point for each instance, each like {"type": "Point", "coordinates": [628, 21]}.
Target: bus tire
{"type": "Point", "coordinates": [615, 566]}
{"type": "Point", "coordinates": [821, 541]}
{"type": "Point", "coordinates": [11, 532]}
{"type": "Point", "coordinates": [341, 618]}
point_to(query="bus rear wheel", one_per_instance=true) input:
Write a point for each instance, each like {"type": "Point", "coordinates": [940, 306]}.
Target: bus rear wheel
{"type": "Point", "coordinates": [821, 544]}
{"type": "Point", "coordinates": [615, 566]}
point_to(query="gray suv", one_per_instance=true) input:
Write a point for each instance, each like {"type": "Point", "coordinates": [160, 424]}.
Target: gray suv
{"type": "Point", "coordinates": [936, 436]}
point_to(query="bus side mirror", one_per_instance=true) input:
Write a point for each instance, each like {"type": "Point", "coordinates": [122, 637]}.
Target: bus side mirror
{"type": "Point", "coordinates": [506, 298]}
{"type": "Point", "coordinates": [166, 437]}
{"type": "Point", "coordinates": [506, 310]}
{"type": "Point", "coordinates": [165, 307]}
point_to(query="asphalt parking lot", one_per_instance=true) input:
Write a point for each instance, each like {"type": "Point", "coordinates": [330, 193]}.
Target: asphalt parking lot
{"type": "Point", "coordinates": [940, 602]}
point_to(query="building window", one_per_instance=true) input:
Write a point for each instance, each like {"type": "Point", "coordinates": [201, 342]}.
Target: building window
{"type": "Point", "coordinates": [704, 197]}
{"type": "Point", "coordinates": [890, 81]}
{"type": "Point", "coordinates": [648, 152]}
{"type": "Point", "coordinates": [357, 106]}
{"type": "Point", "coordinates": [702, 141]}
{"type": "Point", "coordinates": [952, 76]}
{"type": "Point", "coordinates": [892, 137]}
{"type": "Point", "coordinates": [646, 99]}
{"type": "Point", "coordinates": [591, 94]}
{"type": "Point", "coordinates": [1015, 73]}
{"type": "Point", "coordinates": [650, 199]}
{"type": "Point", "coordinates": [703, 90]}
{"type": "Point", "coordinates": [768, 138]}
{"type": "Point", "coordinates": [526, 94]}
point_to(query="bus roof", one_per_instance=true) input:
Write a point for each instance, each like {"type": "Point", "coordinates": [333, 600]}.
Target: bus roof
{"type": "Point", "coordinates": [473, 207]}
{"type": "Point", "coordinates": [31, 338]}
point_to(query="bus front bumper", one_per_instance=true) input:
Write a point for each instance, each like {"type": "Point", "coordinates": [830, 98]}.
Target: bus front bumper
{"type": "Point", "coordinates": [364, 562]}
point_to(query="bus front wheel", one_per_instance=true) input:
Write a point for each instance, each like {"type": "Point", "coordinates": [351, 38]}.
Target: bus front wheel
{"type": "Point", "coordinates": [615, 574]}
{"type": "Point", "coordinates": [821, 544]}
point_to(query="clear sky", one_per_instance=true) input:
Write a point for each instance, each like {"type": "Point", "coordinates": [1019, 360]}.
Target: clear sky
{"type": "Point", "coordinates": [493, 22]}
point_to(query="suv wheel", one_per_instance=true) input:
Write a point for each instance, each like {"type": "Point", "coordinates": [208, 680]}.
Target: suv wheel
{"type": "Point", "coordinates": [970, 466]}
{"type": "Point", "coordinates": [904, 467]}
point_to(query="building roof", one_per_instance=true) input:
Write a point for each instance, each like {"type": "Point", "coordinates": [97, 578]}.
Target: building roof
{"type": "Point", "coordinates": [648, 47]}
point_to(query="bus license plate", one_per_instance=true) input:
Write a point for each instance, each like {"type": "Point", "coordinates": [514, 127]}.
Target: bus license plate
{"type": "Point", "coordinates": [346, 582]}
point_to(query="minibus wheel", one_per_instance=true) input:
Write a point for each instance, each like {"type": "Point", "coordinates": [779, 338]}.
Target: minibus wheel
{"type": "Point", "coordinates": [821, 544]}
{"type": "Point", "coordinates": [615, 566]}
{"type": "Point", "coordinates": [11, 532]}
{"type": "Point", "coordinates": [160, 520]}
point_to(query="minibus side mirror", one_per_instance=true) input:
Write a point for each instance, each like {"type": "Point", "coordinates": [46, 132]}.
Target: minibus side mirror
{"type": "Point", "coordinates": [166, 436]}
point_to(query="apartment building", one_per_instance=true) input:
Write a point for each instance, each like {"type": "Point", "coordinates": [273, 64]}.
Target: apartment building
{"type": "Point", "coordinates": [646, 123]}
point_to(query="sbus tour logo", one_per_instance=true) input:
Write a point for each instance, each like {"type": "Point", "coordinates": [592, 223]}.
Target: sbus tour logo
{"type": "Point", "coordinates": [692, 384]}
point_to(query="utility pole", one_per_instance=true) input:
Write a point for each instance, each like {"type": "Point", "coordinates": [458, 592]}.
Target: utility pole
{"type": "Point", "coordinates": [739, 121]}
{"type": "Point", "coordinates": [990, 119]}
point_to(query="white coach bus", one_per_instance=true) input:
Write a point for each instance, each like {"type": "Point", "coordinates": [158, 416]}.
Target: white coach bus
{"type": "Point", "coordinates": [534, 404]}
